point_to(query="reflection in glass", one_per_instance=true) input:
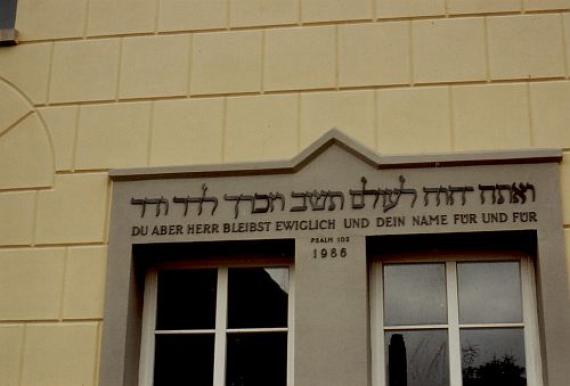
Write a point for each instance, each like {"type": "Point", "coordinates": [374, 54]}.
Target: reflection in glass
{"type": "Point", "coordinates": [184, 360]}
{"type": "Point", "coordinates": [414, 294]}
{"type": "Point", "coordinates": [417, 358]}
{"type": "Point", "coordinates": [186, 299]}
{"type": "Point", "coordinates": [397, 361]}
{"type": "Point", "coordinates": [257, 297]}
{"type": "Point", "coordinates": [489, 292]}
{"type": "Point", "coordinates": [257, 359]}
{"type": "Point", "coordinates": [493, 357]}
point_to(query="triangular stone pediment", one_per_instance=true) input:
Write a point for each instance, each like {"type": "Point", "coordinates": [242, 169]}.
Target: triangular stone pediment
{"type": "Point", "coordinates": [335, 138]}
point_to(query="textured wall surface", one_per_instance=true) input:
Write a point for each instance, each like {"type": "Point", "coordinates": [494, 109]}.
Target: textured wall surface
{"type": "Point", "coordinates": [100, 84]}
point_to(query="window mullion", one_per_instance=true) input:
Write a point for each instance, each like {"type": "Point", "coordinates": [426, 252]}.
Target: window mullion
{"type": "Point", "coordinates": [221, 323]}
{"type": "Point", "coordinates": [377, 325]}
{"type": "Point", "coordinates": [530, 319]}
{"type": "Point", "coordinates": [290, 328]}
{"type": "Point", "coordinates": [453, 321]}
{"type": "Point", "coordinates": [146, 363]}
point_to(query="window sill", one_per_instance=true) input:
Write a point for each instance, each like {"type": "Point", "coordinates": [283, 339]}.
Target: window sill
{"type": "Point", "coordinates": [8, 37]}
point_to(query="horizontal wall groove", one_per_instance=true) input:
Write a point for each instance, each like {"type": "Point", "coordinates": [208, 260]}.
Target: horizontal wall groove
{"type": "Point", "coordinates": [31, 189]}
{"type": "Point", "coordinates": [302, 91]}
{"type": "Point", "coordinates": [60, 245]}
{"type": "Point", "coordinates": [64, 322]}
{"type": "Point", "coordinates": [82, 171]}
{"type": "Point", "coordinates": [307, 24]}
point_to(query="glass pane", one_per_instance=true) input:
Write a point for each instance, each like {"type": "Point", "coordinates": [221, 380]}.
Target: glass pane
{"type": "Point", "coordinates": [493, 357]}
{"type": "Point", "coordinates": [186, 299]}
{"type": "Point", "coordinates": [417, 358]}
{"type": "Point", "coordinates": [414, 294]}
{"type": "Point", "coordinates": [184, 360]}
{"type": "Point", "coordinates": [257, 359]}
{"type": "Point", "coordinates": [257, 297]}
{"type": "Point", "coordinates": [489, 292]}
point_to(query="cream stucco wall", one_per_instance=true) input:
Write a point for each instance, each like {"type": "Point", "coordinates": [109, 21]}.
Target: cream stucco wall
{"type": "Point", "coordinates": [100, 84]}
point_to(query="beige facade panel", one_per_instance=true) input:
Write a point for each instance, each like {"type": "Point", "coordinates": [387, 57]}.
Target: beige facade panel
{"type": "Point", "coordinates": [351, 111]}
{"type": "Point", "coordinates": [111, 135]}
{"type": "Point", "coordinates": [226, 62]}
{"type": "Point", "coordinates": [406, 115]}
{"type": "Point", "coordinates": [409, 8]}
{"type": "Point", "coordinates": [43, 20]}
{"type": "Point", "coordinates": [17, 213]}
{"type": "Point", "coordinates": [449, 50]}
{"type": "Point", "coordinates": [542, 5]}
{"type": "Point", "coordinates": [11, 340]}
{"type": "Point", "coordinates": [185, 15]}
{"type": "Point", "coordinates": [245, 13]}
{"type": "Point", "coordinates": [26, 157]}
{"type": "Point", "coordinates": [13, 107]}
{"type": "Point", "coordinates": [112, 17]}
{"type": "Point", "coordinates": [27, 67]}
{"type": "Point", "coordinates": [374, 54]}
{"type": "Point", "coordinates": [60, 354]}
{"type": "Point", "coordinates": [84, 70]}
{"type": "Point", "coordinates": [523, 47]}
{"type": "Point", "coordinates": [74, 211]}
{"type": "Point", "coordinates": [567, 241]}
{"type": "Point", "coordinates": [482, 6]}
{"type": "Point", "coordinates": [187, 131]}
{"type": "Point", "coordinates": [550, 104]}
{"type": "Point", "coordinates": [566, 26]}
{"type": "Point", "coordinates": [154, 66]}
{"type": "Point", "coordinates": [31, 283]}
{"type": "Point", "coordinates": [300, 58]}
{"type": "Point", "coordinates": [261, 128]}
{"type": "Point", "coordinates": [333, 10]}
{"type": "Point", "coordinates": [61, 124]}
{"type": "Point", "coordinates": [84, 287]}
{"type": "Point", "coordinates": [491, 117]}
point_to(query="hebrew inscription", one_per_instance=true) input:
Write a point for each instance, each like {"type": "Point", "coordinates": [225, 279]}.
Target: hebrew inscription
{"type": "Point", "coordinates": [381, 198]}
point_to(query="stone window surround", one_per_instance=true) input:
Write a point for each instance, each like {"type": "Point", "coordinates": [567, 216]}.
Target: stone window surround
{"type": "Point", "coordinates": [121, 335]}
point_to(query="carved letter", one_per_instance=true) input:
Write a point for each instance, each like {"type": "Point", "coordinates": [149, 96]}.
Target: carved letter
{"type": "Point", "coordinates": [199, 200]}
{"type": "Point", "coordinates": [158, 202]}
{"type": "Point", "coordinates": [519, 192]}
{"type": "Point", "coordinates": [335, 194]}
{"type": "Point", "coordinates": [459, 189]}
{"type": "Point", "coordinates": [485, 188]}
{"type": "Point", "coordinates": [303, 206]}
{"type": "Point", "coordinates": [237, 199]}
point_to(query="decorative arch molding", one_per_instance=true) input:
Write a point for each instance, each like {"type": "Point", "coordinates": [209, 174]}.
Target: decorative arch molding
{"type": "Point", "coordinates": [26, 152]}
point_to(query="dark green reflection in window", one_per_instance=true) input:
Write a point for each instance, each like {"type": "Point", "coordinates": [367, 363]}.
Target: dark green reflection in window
{"type": "Point", "coordinates": [417, 358]}
{"type": "Point", "coordinates": [183, 360]}
{"type": "Point", "coordinates": [257, 297]}
{"type": "Point", "coordinates": [186, 299]}
{"type": "Point", "coordinates": [257, 359]}
{"type": "Point", "coordinates": [493, 357]}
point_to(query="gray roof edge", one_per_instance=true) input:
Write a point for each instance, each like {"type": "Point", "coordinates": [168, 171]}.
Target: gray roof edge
{"type": "Point", "coordinates": [336, 137]}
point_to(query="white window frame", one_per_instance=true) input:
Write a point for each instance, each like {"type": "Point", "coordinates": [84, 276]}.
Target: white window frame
{"type": "Point", "coordinates": [148, 331]}
{"type": "Point", "coordinates": [529, 305]}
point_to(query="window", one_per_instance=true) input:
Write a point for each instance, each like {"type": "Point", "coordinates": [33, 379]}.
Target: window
{"type": "Point", "coordinates": [7, 22]}
{"type": "Point", "coordinates": [454, 321]}
{"type": "Point", "coordinates": [217, 326]}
